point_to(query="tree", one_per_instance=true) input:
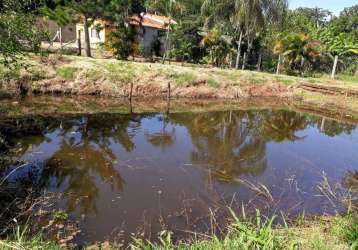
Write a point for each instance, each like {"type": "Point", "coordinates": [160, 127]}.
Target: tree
{"type": "Point", "coordinates": [219, 46]}
{"type": "Point", "coordinates": [90, 10]}
{"type": "Point", "coordinates": [18, 34]}
{"type": "Point", "coordinates": [297, 50]}
{"type": "Point", "coordinates": [337, 45]}
{"type": "Point", "coordinates": [317, 16]}
{"type": "Point", "coordinates": [244, 19]}
{"type": "Point", "coordinates": [186, 40]}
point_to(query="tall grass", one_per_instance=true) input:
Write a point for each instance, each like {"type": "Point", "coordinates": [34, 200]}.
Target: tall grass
{"type": "Point", "coordinates": [21, 240]}
{"type": "Point", "coordinates": [341, 232]}
{"type": "Point", "coordinates": [241, 234]}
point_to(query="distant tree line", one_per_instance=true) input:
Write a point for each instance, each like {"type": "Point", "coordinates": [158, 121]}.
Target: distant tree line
{"type": "Point", "coordinates": [247, 34]}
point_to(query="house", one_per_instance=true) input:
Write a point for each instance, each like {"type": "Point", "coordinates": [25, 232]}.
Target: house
{"type": "Point", "coordinates": [99, 32]}
{"type": "Point", "coordinates": [149, 27]}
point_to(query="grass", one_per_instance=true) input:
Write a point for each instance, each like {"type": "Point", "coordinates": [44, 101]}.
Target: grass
{"type": "Point", "coordinates": [182, 78]}
{"type": "Point", "coordinates": [338, 232]}
{"type": "Point", "coordinates": [20, 240]}
{"type": "Point", "coordinates": [120, 72]}
{"type": "Point", "coordinates": [213, 83]}
{"type": "Point", "coordinates": [67, 73]}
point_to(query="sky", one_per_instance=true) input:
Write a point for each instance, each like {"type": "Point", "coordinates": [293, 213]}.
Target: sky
{"type": "Point", "coordinates": [336, 6]}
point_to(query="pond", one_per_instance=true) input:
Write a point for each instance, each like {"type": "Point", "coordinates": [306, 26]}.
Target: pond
{"type": "Point", "coordinates": [127, 173]}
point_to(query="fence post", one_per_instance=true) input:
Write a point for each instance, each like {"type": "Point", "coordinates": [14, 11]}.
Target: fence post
{"type": "Point", "coordinates": [334, 67]}
{"type": "Point", "coordinates": [168, 97]}
{"type": "Point", "coordinates": [130, 98]}
{"type": "Point", "coordinates": [278, 65]}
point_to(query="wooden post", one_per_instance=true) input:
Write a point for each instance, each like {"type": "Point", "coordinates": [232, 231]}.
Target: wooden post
{"type": "Point", "coordinates": [333, 75]}
{"type": "Point", "coordinates": [79, 43]}
{"type": "Point", "coordinates": [131, 92]}
{"type": "Point", "coordinates": [130, 97]}
{"type": "Point", "coordinates": [278, 65]}
{"type": "Point", "coordinates": [244, 61]}
{"type": "Point", "coordinates": [238, 51]}
{"type": "Point", "coordinates": [169, 92]}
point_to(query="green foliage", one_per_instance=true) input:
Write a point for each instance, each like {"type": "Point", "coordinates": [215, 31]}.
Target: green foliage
{"type": "Point", "coordinates": [297, 50]}
{"type": "Point", "coordinates": [122, 41]}
{"type": "Point", "coordinates": [60, 215]}
{"type": "Point", "coordinates": [186, 41]}
{"type": "Point", "coordinates": [218, 45]}
{"type": "Point", "coordinates": [338, 44]}
{"type": "Point", "coordinates": [348, 229]}
{"type": "Point", "coordinates": [17, 32]}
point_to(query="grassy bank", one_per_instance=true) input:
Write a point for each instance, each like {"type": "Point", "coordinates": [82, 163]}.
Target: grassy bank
{"type": "Point", "coordinates": [338, 232]}
{"type": "Point", "coordinates": [109, 77]}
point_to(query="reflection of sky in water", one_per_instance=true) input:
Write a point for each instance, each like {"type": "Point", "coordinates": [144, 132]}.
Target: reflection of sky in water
{"type": "Point", "coordinates": [117, 172]}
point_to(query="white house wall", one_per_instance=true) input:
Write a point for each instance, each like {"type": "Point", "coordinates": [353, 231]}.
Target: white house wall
{"type": "Point", "coordinates": [95, 41]}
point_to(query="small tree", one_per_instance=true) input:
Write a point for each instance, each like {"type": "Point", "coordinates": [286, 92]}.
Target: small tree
{"type": "Point", "coordinates": [218, 45]}
{"type": "Point", "coordinates": [18, 33]}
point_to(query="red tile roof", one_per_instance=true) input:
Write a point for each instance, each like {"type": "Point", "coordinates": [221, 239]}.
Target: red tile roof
{"type": "Point", "coordinates": [150, 20]}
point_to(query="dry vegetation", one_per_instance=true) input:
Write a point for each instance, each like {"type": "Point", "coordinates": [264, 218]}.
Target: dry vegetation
{"type": "Point", "coordinates": [108, 77]}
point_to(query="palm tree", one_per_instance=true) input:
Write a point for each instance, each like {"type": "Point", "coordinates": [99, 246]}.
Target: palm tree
{"type": "Point", "coordinates": [244, 18]}
{"type": "Point", "coordinates": [297, 49]}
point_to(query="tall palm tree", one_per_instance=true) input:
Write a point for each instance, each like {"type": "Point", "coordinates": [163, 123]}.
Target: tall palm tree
{"type": "Point", "coordinates": [244, 18]}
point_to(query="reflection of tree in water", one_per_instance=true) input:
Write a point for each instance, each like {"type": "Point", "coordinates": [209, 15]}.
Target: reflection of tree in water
{"type": "Point", "coordinates": [81, 160]}
{"type": "Point", "coordinates": [84, 156]}
{"type": "Point", "coordinates": [163, 138]}
{"type": "Point", "coordinates": [279, 126]}
{"type": "Point", "coordinates": [234, 143]}
{"type": "Point", "coordinates": [224, 142]}
{"type": "Point", "coordinates": [332, 127]}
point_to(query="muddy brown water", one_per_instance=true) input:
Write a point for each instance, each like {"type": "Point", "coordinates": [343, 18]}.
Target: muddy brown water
{"type": "Point", "coordinates": [120, 174]}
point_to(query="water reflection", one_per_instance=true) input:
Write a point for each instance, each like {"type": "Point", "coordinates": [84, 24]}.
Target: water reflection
{"type": "Point", "coordinates": [226, 142]}
{"type": "Point", "coordinates": [94, 159]}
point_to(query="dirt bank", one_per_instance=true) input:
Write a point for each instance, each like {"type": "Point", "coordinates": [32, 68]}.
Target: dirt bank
{"type": "Point", "coordinates": [65, 75]}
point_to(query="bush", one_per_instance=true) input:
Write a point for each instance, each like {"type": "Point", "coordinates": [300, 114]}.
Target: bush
{"type": "Point", "coordinates": [122, 42]}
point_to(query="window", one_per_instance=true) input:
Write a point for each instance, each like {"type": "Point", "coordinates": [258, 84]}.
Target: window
{"type": "Point", "coordinates": [94, 33]}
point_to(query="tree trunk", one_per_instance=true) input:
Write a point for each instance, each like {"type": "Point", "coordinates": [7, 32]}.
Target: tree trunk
{"type": "Point", "coordinates": [87, 38]}
{"type": "Point", "coordinates": [278, 65]}
{"type": "Point", "coordinates": [238, 51]}
{"type": "Point", "coordinates": [244, 61]}
{"type": "Point", "coordinates": [259, 62]}
{"type": "Point", "coordinates": [79, 43]}
{"type": "Point", "coordinates": [247, 54]}
{"type": "Point", "coordinates": [334, 67]}
{"type": "Point", "coordinates": [166, 42]}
